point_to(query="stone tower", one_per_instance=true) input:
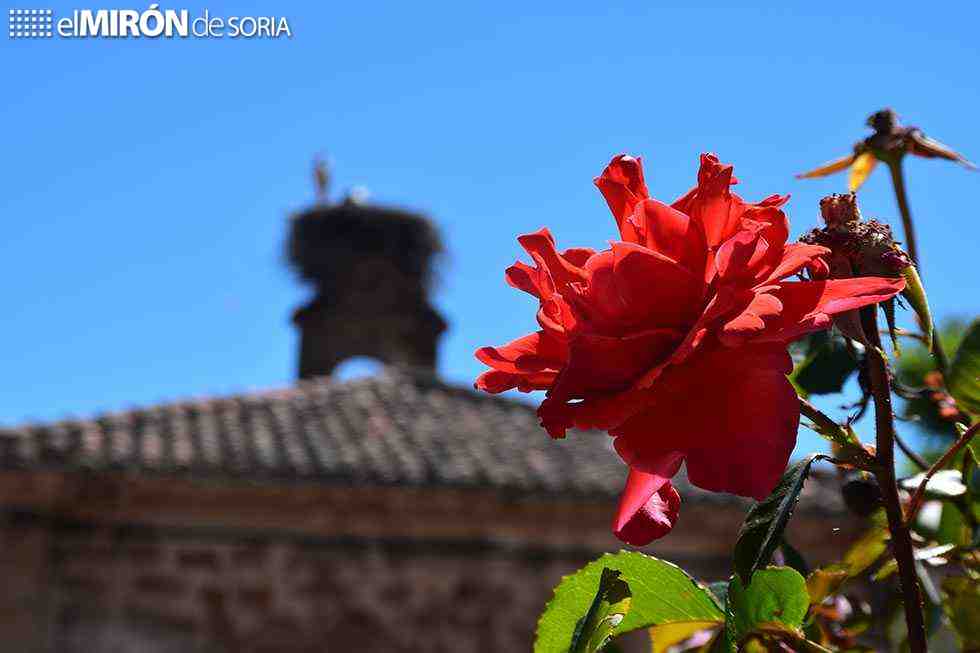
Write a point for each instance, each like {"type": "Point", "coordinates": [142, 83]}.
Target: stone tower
{"type": "Point", "coordinates": [371, 271]}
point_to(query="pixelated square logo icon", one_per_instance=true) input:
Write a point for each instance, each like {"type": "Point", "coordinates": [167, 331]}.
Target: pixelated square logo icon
{"type": "Point", "coordinates": [30, 23]}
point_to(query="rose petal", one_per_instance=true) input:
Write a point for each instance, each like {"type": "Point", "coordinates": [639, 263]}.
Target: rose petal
{"type": "Point", "coordinates": [711, 203]}
{"type": "Point", "coordinates": [751, 321]}
{"type": "Point", "coordinates": [531, 353]}
{"type": "Point", "coordinates": [621, 183]}
{"type": "Point", "coordinates": [740, 256]}
{"type": "Point", "coordinates": [598, 363]}
{"type": "Point", "coordinates": [640, 486]}
{"type": "Point", "coordinates": [603, 412]}
{"type": "Point", "coordinates": [578, 256]}
{"type": "Point", "coordinates": [541, 246]}
{"type": "Point", "coordinates": [732, 412]}
{"type": "Point", "coordinates": [796, 257]}
{"type": "Point", "coordinates": [809, 305]}
{"type": "Point", "coordinates": [648, 507]}
{"type": "Point", "coordinates": [671, 233]}
{"type": "Point", "coordinates": [495, 381]}
{"type": "Point", "coordinates": [532, 280]}
{"type": "Point", "coordinates": [654, 290]}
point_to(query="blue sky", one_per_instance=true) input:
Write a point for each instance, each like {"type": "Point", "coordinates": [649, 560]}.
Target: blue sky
{"type": "Point", "coordinates": [148, 182]}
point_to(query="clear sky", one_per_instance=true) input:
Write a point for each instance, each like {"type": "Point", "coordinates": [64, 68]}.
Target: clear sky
{"type": "Point", "coordinates": [148, 182]}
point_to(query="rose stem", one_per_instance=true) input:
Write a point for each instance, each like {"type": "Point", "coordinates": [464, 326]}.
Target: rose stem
{"type": "Point", "coordinates": [920, 492]}
{"type": "Point", "coordinates": [898, 183]}
{"type": "Point", "coordinates": [885, 475]}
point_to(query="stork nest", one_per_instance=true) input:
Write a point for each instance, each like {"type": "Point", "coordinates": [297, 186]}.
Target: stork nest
{"type": "Point", "coordinates": [326, 240]}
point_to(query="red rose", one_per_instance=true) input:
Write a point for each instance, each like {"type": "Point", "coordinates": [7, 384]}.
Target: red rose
{"type": "Point", "coordinates": [674, 339]}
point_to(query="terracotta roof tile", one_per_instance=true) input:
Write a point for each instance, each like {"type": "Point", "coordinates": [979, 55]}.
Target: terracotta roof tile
{"type": "Point", "coordinates": [398, 428]}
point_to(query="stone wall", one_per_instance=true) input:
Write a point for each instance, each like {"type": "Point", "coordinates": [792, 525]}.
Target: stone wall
{"type": "Point", "coordinates": [165, 565]}
{"type": "Point", "coordinates": [74, 587]}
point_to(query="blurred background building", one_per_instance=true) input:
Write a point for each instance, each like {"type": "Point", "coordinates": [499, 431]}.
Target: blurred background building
{"type": "Point", "coordinates": [390, 513]}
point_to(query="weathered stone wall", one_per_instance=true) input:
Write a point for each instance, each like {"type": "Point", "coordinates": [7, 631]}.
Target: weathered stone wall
{"type": "Point", "coordinates": [120, 564]}
{"type": "Point", "coordinates": [82, 588]}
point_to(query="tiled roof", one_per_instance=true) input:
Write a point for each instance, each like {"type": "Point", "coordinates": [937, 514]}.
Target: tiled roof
{"type": "Point", "coordinates": [398, 428]}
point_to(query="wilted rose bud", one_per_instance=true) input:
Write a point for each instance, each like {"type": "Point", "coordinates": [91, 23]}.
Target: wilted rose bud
{"type": "Point", "coordinates": [859, 247]}
{"type": "Point", "coordinates": [865, 248]}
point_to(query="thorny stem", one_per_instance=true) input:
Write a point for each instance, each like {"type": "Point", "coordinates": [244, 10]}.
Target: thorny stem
{"type": "Point", "coordinates": [906, 334]}
{"type": "Point", "coordinates": [855, 455]}
{"type": "Point", "coordinates": [885, 475]}
{"type": "Point", "coordinates": [920, 491]}
{"type": "Point", "coordinates": [817, 416]}
{"type": "Point", "coordinates": [898, 183]}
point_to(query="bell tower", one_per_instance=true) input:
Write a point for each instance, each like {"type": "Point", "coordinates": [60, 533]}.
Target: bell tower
{"type": "Point", "coordinates": [370, 269]}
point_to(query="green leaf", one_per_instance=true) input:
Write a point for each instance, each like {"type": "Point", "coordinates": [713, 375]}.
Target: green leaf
{"type": "Point", "coordinates": [890, 566]}
{"type": "Point", "coordinates": [763, 528]}
{"type": "Point", "coordinates": [776, 595]}
{"type": "Point", "coordinates": [662, 593]}
{"type": "Point", "coordinates": [914, 369]}
{"type": "Point", "coordinates": [962, 605]}
{"type": "Point", "coordinates": [866, 550]}
{"type": "Point", "coordinates": [826, 367]}
{"type": "Point", "coordinates": [916, 296]}
{"type": "Point", "coordinates": [971, 470]}
{"type": "Point", "coordinates": [609, 608]}
{"type": "Point", "coordinates": [793, 558]}
{"type": "Point", "coordinates": [964, 374]}
{"type": "Point", "coordinates": [825, 581]}
{"type": "Point", "coordinates": [953, 528]}
{"type": "Point", "coordinates": [792, 636]}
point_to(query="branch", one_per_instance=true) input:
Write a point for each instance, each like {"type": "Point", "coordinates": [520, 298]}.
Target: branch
{"type": "Point", "coordinates": [852, 453]}
{"type": "Point", "coordinates": [905, 334]}
{"type": "Point", "coordinates": [920, 491]}
{"type": "Point", "coordinates": [898, 184]}
{"type": "Point", "coordinates": [901, 541]}
{"type": "Point", "coordinates": [817, 416]}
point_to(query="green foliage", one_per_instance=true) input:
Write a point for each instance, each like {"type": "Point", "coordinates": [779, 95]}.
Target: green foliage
{"type": "Point", "coordinates": [912, 367]}
{"type": "Point", "coordinates": [916, 296]}
{"type": "Point", "coordinates": [866, 550]}
{"type": "Point", "coordinates": [891, 566]}
{"type": "Point", "coordinates": [793, 558]}
{"type": "Point", "coordinates": [825, 366]}
{"type": "Point", "coordinates": [764, 608]}
{"type": "Point", "coordinates": [661, 593]}
{"type": "Point", "coordinates": [825, 581]}
{"type": "Point", "coordinates": [953, 528]}
{"type": "Point", "coordinates": [828, 580]}
{"type": "Point", "coordinates": [962, 606]}
{"type": "Point", "coordinates": [609, 608]}
{"type": "Point", "coordinates": [762, 531]}
{"type": "Point", "coordinates": [775, 601]}
{"type": "Point", "coordinates": [964, 375]}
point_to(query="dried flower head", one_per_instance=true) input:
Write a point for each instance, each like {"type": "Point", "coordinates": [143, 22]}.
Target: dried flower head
{"type": "Point", "coordinates": [889, 143]}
